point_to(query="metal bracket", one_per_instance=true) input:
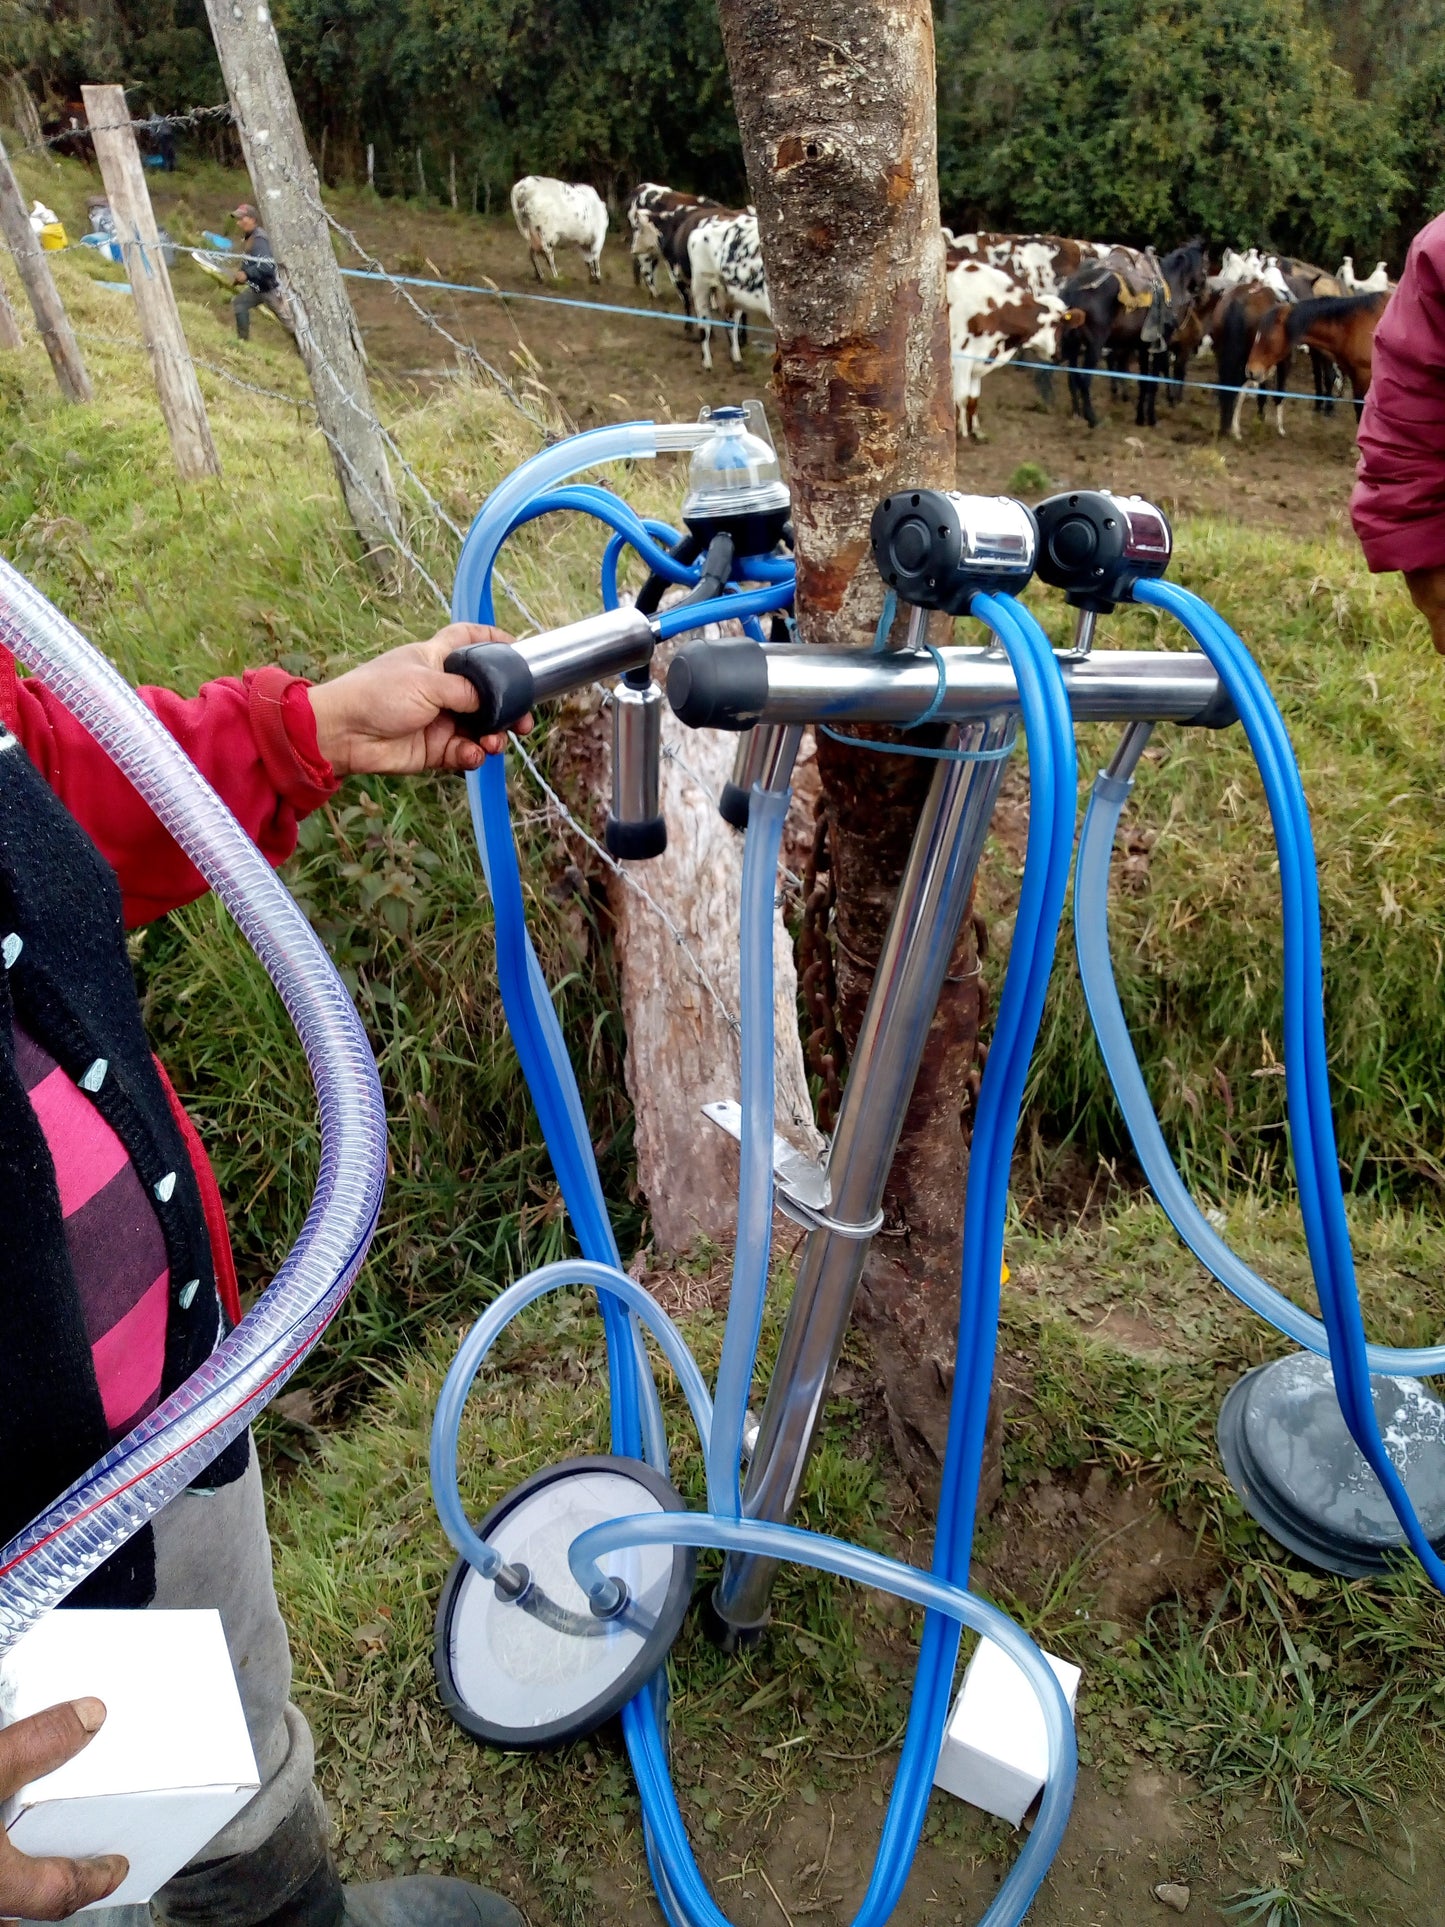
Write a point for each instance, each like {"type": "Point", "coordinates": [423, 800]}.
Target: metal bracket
{"type": "Point", "coordinates": [800, 1180]}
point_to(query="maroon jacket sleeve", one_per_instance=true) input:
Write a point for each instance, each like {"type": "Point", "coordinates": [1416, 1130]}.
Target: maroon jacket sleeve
{"type": "Point", "coordinates": [1398, 504]}
{"type": "Point", "coordinates": [252, 737]}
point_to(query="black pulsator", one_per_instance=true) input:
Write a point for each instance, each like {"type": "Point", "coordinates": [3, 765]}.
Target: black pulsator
{"type": "Point", "coordinates": [1095, 545]}
{"type": "Point", "coordinates": [938, 549]}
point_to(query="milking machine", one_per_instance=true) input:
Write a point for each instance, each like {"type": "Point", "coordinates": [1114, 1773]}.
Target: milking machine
{"type": "Point", "coordinates": [566, 1598]}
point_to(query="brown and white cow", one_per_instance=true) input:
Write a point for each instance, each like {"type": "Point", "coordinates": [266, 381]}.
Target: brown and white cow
{"type": "Point", "coordinates": [993, 315]}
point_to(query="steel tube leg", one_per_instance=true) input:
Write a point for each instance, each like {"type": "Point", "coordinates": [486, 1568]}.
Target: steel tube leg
{"type": "Point", "coordinates": [932, 899]}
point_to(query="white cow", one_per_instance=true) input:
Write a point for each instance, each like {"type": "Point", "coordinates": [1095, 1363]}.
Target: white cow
{"type": "Point", "coordinates": [725, 263]}
{"type": "Point", "coordinates": [993, 315]}
{"type": "Point", "coordinates": [1375, 283]}
{"type": "Point", "coordinates": [552, 214]}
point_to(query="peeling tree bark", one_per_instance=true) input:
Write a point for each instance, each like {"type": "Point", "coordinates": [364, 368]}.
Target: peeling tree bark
{"type": "Point", "coordinates": [835, 100]}
{"type": "Point", "coordinates": [681, 1048]}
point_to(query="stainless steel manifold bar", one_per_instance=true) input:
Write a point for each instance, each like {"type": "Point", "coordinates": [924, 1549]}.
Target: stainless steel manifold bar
{"type": "Point", "coordinates": [737, 684]}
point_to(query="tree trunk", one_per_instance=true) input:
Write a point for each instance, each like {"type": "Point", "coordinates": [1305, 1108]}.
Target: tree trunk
{"type": "Point", "coordinates": [681, 1047]}
{"type": "Point", "coordinates": [34, 270]}
{"type": "Point", "coordinates": [835, 100]}
{"type": "Point", "coordinates": [288, 197]}
{"type": "Point", "coordinates": [181, 401]}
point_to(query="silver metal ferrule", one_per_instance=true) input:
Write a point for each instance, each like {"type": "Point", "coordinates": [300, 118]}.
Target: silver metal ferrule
{"type": "Point", "coordinates": [780, 752]}
{"type": "Point", "coordinates": [581, 652]}
{"type": "Point", "coordinates": [807, 684]}
{"type": "Point", "coordinates": [1132, 744]}
{"type": "Point", "coordinates": [1084, 626]}
{"type": "Point", "coordinates": [755, 748]}
{"type": "Point", "coordinates": [636, 752]}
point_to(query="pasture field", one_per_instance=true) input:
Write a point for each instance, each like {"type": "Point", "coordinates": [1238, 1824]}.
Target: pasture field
{"type": "Point", "coordinates": [1268, 1737]}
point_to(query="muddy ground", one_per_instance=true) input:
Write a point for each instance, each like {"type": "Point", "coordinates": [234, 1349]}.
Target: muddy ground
{"type": "Point", "coordinates": [605, 367]}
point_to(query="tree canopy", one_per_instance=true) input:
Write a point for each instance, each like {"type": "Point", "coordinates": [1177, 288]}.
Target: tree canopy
{"type": "Point", "coordinates": [1312, 125]}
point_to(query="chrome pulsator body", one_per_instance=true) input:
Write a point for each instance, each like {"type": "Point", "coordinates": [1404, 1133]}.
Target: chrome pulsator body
{"type": "Point", "coordinates": [1095, 545]}
{"type": "Point", "coordinates": [937, 549]}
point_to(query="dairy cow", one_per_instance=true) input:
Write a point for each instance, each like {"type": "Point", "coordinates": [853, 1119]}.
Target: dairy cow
{"type": "Point", "coordinates": [659, 221]}
{"type": "Point", "coordinates": [725, 262]}
{"type": "Point", "coordinates": [552, 214]}
{"type": "Point", "coordinates": [993, 315]}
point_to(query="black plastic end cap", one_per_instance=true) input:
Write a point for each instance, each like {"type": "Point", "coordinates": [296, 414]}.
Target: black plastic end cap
{"type": "Point", "coordinates": [727, 1637]}
{"type": "Point", "coordinates": [635, 842]}
{"type": "Point", "coordinates": [732, 805]}
{"type": "Point", "coordinates": [718, 685]}
{"type": "Point", "coordinates": [503, 681]}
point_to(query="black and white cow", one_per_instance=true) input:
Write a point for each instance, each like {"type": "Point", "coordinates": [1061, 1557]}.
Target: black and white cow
{"type": "Point", "coordinates": [725, 260]}
{"type": "Point", "coordinates": [659, 221]}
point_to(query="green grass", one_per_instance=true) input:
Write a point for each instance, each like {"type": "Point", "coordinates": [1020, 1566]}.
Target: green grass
{"type": "Point", "coordinates": [1304, 1709]}
{"type": "Point", "coordinates": [178, 585]}
{"type": "Point", "coordinates": [1196, 939]}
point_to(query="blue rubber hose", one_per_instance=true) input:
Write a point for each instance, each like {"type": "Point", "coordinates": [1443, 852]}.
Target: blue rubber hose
{"type": "Point", "coordinates": [1052, 781]}
{"type": "Point", "coordinates": [678, 1881]}
{"type": "Point", "coordinates": [1311, 1120]}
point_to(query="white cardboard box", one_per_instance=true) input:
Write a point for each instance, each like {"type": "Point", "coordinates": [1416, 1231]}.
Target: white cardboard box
{"type": "Point", "coordinates": [995, 1754]}
{"type": "Point", "coordinates": [173, 1761]}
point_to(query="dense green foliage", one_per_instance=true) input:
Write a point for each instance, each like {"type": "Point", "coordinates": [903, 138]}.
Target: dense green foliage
{"type": "Point", "coordinates": [1150, 119]}
{"type": "Point", "coordinates": [1308, 124]}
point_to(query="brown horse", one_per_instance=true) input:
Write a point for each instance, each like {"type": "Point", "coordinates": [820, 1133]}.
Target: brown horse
{"type": "Point", "coordinates": [1340, 326]}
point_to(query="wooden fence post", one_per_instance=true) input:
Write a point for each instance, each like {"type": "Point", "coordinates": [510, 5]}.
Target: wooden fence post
{"type": "Point", "coordinates": [34, 271]}
{"type": "Point", "coordinates": [10, 335]}
{"type": "Point", "coordinates": [289, 199]}
{"type": "Point", "coordinates": [182, 406]}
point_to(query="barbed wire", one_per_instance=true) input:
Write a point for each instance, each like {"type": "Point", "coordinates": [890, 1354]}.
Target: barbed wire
{"type": "Point", "coordinates": [388, 521]}
{"type": "Point", "coordinates": [81, 130]}
{"type": "Point", "coordinates": [463, 348]}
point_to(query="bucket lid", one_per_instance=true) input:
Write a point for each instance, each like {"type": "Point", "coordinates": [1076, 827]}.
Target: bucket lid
{"type": "Point", "coordinates": [1290, 1457]}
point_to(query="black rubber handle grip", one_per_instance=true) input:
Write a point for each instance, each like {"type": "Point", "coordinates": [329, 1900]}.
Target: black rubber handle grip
{"type": "Point", "coordinates": [503, 681]}
{"type": "Point", "coordinates": [718, 685]}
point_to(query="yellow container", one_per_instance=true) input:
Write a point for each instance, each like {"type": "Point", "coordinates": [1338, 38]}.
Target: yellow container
{"type": "Point", "coordinates": [53, 237]}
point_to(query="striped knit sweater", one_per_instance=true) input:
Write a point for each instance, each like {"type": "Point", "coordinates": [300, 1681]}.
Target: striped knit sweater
{"type": "Point", "coordinates": [68, 1005]}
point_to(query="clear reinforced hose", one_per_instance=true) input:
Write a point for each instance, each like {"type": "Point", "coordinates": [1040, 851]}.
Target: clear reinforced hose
{"type": "Point", "coordinates": [137, 1477]}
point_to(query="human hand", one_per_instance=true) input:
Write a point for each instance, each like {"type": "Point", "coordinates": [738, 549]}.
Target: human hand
{"type": "Point", "coordinates": [390, 715]}
{"type": "Point", "coordinates": [50, 1889]}
{"type": "Point", "coordinates": [1427, 592]}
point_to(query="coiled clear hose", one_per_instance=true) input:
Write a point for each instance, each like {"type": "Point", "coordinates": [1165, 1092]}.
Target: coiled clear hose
{"type": "Point", "coordinates": [137, 1477]}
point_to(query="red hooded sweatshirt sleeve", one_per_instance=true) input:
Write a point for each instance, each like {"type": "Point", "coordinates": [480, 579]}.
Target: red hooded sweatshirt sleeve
{"type": "Point", "coordinates": [1398, 504]}
{"type": "Point", "coordinates": [252, 737]}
